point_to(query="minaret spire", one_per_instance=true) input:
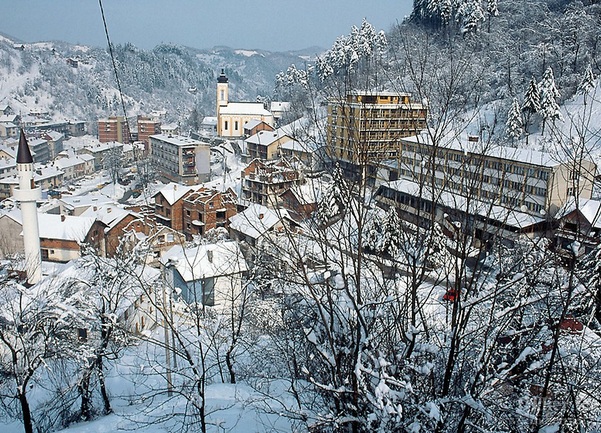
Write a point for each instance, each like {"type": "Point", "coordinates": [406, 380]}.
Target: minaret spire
{"type": "Point", "coordinates": [27, 195]}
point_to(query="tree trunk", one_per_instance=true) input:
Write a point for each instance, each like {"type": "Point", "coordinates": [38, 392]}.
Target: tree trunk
{"type": "Point", "coordinates": [25, 411]}
{"type": "Point", "coordinates": [84, 391]}
{"type": "Point", "coordinates": [106, 402]}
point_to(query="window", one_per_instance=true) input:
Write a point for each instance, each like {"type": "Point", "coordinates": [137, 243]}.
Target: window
{"type": "Point", "coordinates": [236, 125]}
{"type": "Point", "coordinates": [226, 125]}
{"type": "Point", "coordinates": [571, 191]}
{"type": "Point", "coordinates": [82, 334]}
{"type": "Point", "coordinates": [208, 292]}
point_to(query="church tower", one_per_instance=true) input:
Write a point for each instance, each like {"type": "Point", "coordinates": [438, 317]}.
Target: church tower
{"type": "Point", "coordinates": [27, 195]}
{"type": "Point", "coordinates": [222, 97]}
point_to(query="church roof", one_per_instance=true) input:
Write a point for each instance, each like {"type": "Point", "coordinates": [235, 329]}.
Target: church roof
{"type": "Point", "coordinates": [24, 154]}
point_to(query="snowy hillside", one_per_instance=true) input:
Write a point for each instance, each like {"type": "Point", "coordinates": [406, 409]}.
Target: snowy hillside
{"type": "Point", "coordinates": [74, 81]}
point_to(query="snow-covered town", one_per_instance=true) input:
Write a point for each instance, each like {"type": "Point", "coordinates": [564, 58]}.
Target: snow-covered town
{"type": "Point", "coordinates": [404, 236]}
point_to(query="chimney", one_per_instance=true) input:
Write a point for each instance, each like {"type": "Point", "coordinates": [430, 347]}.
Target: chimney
{"type": "Point", "coordinates": [63, 218]}
{"type": "Point", "coordinates": [261, 216]}
{"type": "Point", "coordinates": [95, 208]}
{"type": "Point", "coordinates": [210, 255]}
{"type": "Point", "coordinates": [109, 209]}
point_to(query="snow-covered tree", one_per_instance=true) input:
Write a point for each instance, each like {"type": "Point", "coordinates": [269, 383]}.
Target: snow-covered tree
{"type": "Point", "coordinates": [588, 81]}
{"type": "Point", "coordinates": [531, 104]}
{"type": "Point", "coordinates": [549, 108]}
{"type": "Point", "coordinates": [514, 125]}
{"type": "Point", "coordinates": [470, 15]}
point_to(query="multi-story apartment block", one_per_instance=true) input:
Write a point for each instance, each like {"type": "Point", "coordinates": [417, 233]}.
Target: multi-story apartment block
{"type": "Point", "coordinates": [205, 209]}
{"type": "Point", "coordinates": [499, 187]}
{"type": "Point", "coordinates": [115, 128]}
{"type": "Point", "coordinates": [264, 181]}
{"type": "Point", "coordinates": [147, 127]}
{"type": "Point", "coordinates": [180, 159]}
{"type": "Point", "coordinates": [40, 150]}
{"type": "Point", "coordinates": [365, 128]}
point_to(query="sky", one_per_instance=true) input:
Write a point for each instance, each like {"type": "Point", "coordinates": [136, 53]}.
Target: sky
{"type": "Point", "coordinates": [250, 24]}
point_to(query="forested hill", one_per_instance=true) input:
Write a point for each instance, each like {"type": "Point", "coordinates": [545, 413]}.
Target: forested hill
{"type": "Point", "coordinates": [78, 81]}
{"type": "Point", "coordinates": [516, 40]}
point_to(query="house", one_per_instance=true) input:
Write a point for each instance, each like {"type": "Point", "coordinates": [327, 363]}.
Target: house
{"type": "Point", "coordinates": [309, 154]}
{"type": "Point", "coordinates": [264, 181]}
{"type": "Point", "coordinates": [101, 150]}
{"type": "Point", "coordinates": [11, 226]}
{"type": "Point", "coordinates": [77, 205]}
{"type": "Point", "coordinates": [210, 274]}
{"type": "Point", "coordinates": [8, 130]}
{"type": "Point", "coordinates": [180, 159]}
{"type": "Point", "coordinates": [301, 200]}
{"type": "Point", "coordinates": [578, 226]}
{"type": "Point", "coordinates": [266, 145]}
{"type": "Point", "coordinates": [280, 111]}
{"type": "Point", "coordinates": [55, 142]}
{"type": "Point", "coordinates": [118, 222]}
{"type": "Point", "coordinates": [205, 209]}
{"type": "Point", "coordinates": [61, 236]}
{"type": "Point", "coordinates": [256, 221]}
{"type": "Point", "coordinates": [232, 116]}
{"type": "Point", "coordinates": [46, 177]}
{"type": "Point", "coordinates": [75, 166]}
{"type": "Point", "coordinates": [254, 126]}
{"type": "Point", "coordinates": [169, 205]}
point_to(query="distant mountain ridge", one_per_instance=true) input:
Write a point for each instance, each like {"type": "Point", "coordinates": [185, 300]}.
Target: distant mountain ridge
{"type": "Point", "coordinates": [78, 82]}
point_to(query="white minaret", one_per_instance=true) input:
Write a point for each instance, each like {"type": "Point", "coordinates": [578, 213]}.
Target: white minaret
{"type": "Point", "coordinates": [27, 195]}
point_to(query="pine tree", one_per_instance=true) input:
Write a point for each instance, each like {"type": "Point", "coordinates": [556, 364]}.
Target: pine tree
{"type": "Point", "coordinates": [549, 108]}
{"type": "Point", "coordinates": [588, 81]}
{"type": "Point", "coordinates": [514, 125]}
{"type": "Point", "coordinates": [531, 103]}
{"type": "Point", "coordinates": [470, 14]}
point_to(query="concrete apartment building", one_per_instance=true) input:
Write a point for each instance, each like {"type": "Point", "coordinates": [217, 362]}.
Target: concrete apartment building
{"type": "Point", "coordinates": [365, 128]}
{"type": "Point", "coordinates": [115, 128]}
{"type": "Point", "coordinates": [180, 159]}
{"type": "Point", "coordinates": [504, 190]}
{"type": "Point", "coordinates": [266, 145]}
{"type": "Point", "coordinates": [147, 127]}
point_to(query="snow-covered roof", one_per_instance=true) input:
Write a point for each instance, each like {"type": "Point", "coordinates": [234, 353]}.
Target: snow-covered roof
{"type": "Point", "coordinates": [62, 163]}
{"type": "Point", "coordinates": [64, 227]}
{"type": "Point", "coordinates": [265, 138]}
{"type": "Point", "coordinates": [206, 261]}
{"type": "Point", "coordinates": [53, 135]}
{"type": "Point", "coordinates": [87, 200]}
{"type": "Point", "coordinates": [40, 174]}
{"type": "Point", "coordinates": [209, 121]}
{"type": "Point", "coordinates": [297, 146]}
{"type": "Point", "coordinates": [109, 214]}
{"type": "Point", "coordinates": [173, 192]}
{"type": "Point", "coordinates": [280, 106]}
{"type": "Point", "coordinates": [102, 147]}
{"type": "Point", "coordinates": [8, 118]}
{"type": "Point", "coordinates": [253, 123]}
{"type": "Point", "coordinates": [590, 209]}
{"type": "Point", "coordinates": [463, 144]}
{"type": "Point", "coordinates": [178, 140]}
{"type": "Point", "coordinates": [248, 108]}
{"type": "Point", "coordinates": [256, 220]}
{"type": "Point", "coordinates": [509, 217]}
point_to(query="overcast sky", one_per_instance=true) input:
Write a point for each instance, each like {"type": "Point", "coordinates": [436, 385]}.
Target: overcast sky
{"type": "Point", "coordinates": [268, 24]}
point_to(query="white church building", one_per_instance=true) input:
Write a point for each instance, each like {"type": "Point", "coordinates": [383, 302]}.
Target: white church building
{"type": "Point", "coordinates": [232, 116]}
